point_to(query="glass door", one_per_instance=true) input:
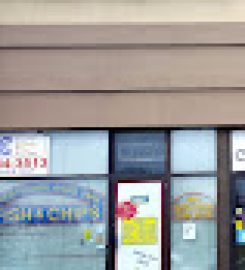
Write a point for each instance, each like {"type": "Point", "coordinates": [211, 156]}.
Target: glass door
{"type": "Point", "coordinates": [139, 223]}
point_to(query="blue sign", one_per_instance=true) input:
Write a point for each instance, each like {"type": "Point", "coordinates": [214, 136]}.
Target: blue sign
{"type": "Point", "coordinates": [240, 236]}
{"type": "Point", "coordinates": [88, 206]}
{"type": "Point", "coordinates": [5, 148]}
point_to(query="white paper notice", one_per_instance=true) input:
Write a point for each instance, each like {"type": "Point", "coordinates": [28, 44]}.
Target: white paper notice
{"type": "Point", "coordinates": [238, 150]}
{"type": "Point", "coordinates": [24, 154]}
{"type": "Point", "coordinates": [189, 231]}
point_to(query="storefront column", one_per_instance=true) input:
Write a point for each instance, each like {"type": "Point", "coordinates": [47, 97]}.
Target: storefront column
{"type": "Point", "coordinates": [224, 206]}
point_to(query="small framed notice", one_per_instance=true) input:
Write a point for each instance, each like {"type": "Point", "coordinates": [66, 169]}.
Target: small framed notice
{"type": "Point", "coordinates": [189, 231]}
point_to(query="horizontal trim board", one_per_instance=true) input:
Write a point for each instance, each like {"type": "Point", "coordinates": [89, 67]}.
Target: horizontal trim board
{"type": "Point", "coordinates": [120, 129]}
{"type": "Point", "coordinates": [121, 69]}
{"type": "Point", "coordinates": [124, 46]}
{"type": "Point", "coordinates": [149, 90]}
{"type": "Point", "coordinates": [141, 33]}
{"type": "Point", "coordinates": [121, 110]}
{"type": "Point", "coordinates": [47, 177]}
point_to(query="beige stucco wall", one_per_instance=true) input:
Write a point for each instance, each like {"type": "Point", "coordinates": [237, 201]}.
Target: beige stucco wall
{"type": "Point", "coordinates": [98, 11]}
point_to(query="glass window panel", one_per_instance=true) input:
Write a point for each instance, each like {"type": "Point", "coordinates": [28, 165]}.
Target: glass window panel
{"type": "Point", "coordinates": [80, 152]}
{"type": "Point", "coordinates": [193, 150]}
{"type": "Point", "coordinates": [194, 225]}
{"type": "Point", "coordinates": [53, 224]}
{"type": "Point", "coordinates": [140, 153]}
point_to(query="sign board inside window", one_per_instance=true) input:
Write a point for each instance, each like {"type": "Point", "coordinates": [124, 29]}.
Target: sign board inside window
{"type": "Point", "coordinates": [24, 154]}
{"type": "Point", "coordinates": [238, 151]}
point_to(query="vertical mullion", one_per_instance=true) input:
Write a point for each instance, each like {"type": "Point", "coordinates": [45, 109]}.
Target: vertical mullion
{"type": "Point", "coordinates": [167, 203]}
{"type": "Point", "coordinates": [111, 206]}
{"type": "Point", "coordinates": [233, 254]}
{"type": "Point", "coordinates": [223, 200]}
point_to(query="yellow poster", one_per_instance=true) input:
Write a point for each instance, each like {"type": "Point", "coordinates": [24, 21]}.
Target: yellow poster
{"type": "Point", "coordinates": [139, 231]}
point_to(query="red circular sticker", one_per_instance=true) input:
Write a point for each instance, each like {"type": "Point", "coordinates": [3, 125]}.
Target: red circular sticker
{"type": "Point", "coordinates": [126, 210]}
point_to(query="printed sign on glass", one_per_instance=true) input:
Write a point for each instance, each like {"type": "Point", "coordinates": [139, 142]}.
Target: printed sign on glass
{"type": "Point", "coordinates": [24, 154]}
{"type": "Point", "coordinates": [139, 153]}
{"type": "Point", "coordinates": [194, 206]}
{"type": "Point", "coordinates": [42, 202]}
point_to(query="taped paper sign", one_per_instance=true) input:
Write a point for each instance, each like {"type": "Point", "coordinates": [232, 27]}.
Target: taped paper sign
{"type": "Point", "coordinates": [139, 231]}
{"type": "Point", "coordinates": [140, 199]}
{"type": "Point", "coordinates": [189, 231]}
{"type": "Point", "coordinates": [240, 226]}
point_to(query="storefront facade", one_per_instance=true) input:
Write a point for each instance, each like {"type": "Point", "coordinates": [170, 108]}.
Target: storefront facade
{"type": "Point", "coordinates": [122, 146]}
